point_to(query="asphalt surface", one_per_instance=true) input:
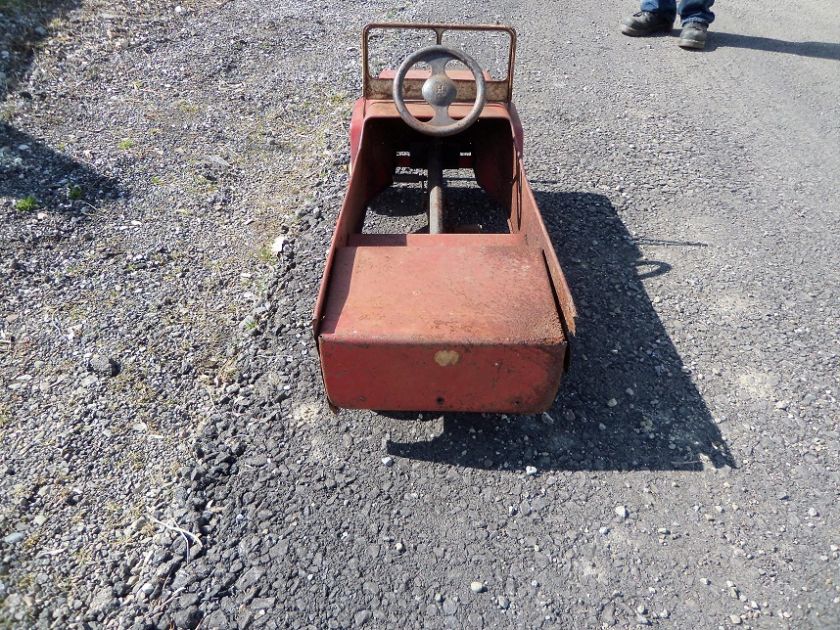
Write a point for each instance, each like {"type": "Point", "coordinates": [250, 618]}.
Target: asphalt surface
{"type": "Point", "coordinates": [686, 476]}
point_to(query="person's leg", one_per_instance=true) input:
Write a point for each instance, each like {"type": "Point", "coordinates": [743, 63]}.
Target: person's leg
{"type": "Point", "coordinates": [666, 8]}
{"type": "Point", "coordinates": [696, 11]}
{"type": "Point", "coordinates": [696, 16]}
{"type": "Point", "coordinates": [655, 16]}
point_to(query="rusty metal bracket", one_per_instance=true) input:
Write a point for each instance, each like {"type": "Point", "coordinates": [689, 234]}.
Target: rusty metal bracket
{"type": "Point", "coordinates": [497, 90]}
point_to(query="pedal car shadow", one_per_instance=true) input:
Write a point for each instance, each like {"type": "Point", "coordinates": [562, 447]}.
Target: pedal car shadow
{"type": "Point", "coordinates": [627, 403]}
{"type": "Point", "coordinates": [30, 168]}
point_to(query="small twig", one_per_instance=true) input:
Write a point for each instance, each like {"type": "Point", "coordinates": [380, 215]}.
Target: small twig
{"type": "Point", "coordinates": [186, 548]}
{"type": "Point", "coordinates": [188, 535]}
{"type": "Point", "coordinates": [171, 597]}
{"type": "Point", "coordinates": [89, 205]}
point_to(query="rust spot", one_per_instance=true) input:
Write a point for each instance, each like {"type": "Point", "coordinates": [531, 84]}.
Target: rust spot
{"type": "Point", "coordinates": [445, 358]}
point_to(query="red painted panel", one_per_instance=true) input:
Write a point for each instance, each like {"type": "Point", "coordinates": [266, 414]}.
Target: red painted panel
{"type": "Point", "coordinates": [447, 327]}
{"type": "Point", "coordinates": [406, 376]}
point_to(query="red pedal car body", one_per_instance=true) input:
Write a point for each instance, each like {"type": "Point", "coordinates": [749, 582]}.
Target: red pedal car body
{"type": "Point", "coordinates": [448, 319]}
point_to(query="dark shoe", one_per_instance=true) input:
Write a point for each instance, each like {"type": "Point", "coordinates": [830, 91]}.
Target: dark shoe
{"type": "Point", "coordinates": [693, 35]}
{"type": "Point", "coordinates": [646, 23]}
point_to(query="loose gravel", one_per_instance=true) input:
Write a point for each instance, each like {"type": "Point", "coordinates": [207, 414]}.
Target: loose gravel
{"type": "Point", "coordinates": [170, 174]}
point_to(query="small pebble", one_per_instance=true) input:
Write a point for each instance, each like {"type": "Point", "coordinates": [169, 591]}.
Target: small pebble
{"type": "Point", "coordinates": [14, 538]}
{"type": "Point", "coordinates": [621, 511]}
{"type": "Point", "coordinates": [477, 587]}
{"type": "Point", "coordinates": [277, 246]}
{"type": "Point", "coordinates": [362, 617]}
{"type": "Point", "coordinates": [104, 366]}
{"type": "Point", "coordinates": [504, 602]}
{"type": "Point", "coordinates": [388, 461]}
{"type": "Point", "coordinates": [530, 470]}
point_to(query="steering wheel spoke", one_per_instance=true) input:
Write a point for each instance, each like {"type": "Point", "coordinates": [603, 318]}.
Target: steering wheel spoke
{"type": "Point", "coordinates": [438, 65]}
{"type": "Point", "coordinates": [441, 117]}
{"type": "Point", "coordinates": [439, 91]}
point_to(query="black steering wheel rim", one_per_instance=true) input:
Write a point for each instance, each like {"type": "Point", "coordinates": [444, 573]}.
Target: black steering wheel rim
{"type": "Point", "coordinates": [439, 91]}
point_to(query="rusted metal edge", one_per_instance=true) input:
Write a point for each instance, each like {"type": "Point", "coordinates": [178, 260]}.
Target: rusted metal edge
{"type": "Point", "coordinates": [567, 308]}
{"type": "Point", "coordinates": [382, 89]}
{"type": "Point", "coordinates": [439, 30]}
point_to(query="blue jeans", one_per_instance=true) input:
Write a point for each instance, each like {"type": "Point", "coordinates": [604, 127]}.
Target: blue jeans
{"type": "Point", "coordinates": [690, 10]}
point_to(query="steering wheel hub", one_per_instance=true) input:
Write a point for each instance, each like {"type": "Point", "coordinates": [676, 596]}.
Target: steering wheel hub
{"type": "Point", "coordinates": [439, 91]}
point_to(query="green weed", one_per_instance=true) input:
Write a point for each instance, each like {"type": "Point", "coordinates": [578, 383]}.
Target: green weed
{"type": "Point", "coordinates": [265, 255]}
{"type": "Point", "coordinates": [185, 107]}
{"type": "Point", "coordinates": [27, 204]}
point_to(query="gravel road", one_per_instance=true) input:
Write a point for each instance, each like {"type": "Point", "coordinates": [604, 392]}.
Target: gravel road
{"type": "Point", "coordinates": [170, 173]}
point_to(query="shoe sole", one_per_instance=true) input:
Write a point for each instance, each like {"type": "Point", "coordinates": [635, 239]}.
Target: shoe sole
{"type": "Point", "coordinates": [691, 43]}
{"type": "Point", "coordinates": [633, 32]}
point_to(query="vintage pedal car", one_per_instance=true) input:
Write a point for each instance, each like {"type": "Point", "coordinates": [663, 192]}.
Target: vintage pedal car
{"type": "Point", "coordinates": [447, 318]}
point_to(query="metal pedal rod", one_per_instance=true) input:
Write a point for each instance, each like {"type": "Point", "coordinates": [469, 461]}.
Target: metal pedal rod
{"type": "Point", "coordinates": [436, 186]}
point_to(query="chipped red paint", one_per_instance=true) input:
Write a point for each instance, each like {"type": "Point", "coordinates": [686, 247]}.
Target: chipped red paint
{"type": "Point", "coordinates": [451, 322]}
{"type": "Point", "coordinates": [428, 324]}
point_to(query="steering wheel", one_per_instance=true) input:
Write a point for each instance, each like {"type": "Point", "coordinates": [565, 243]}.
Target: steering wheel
{"type": "Point", "coordinates": [439, 91]}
